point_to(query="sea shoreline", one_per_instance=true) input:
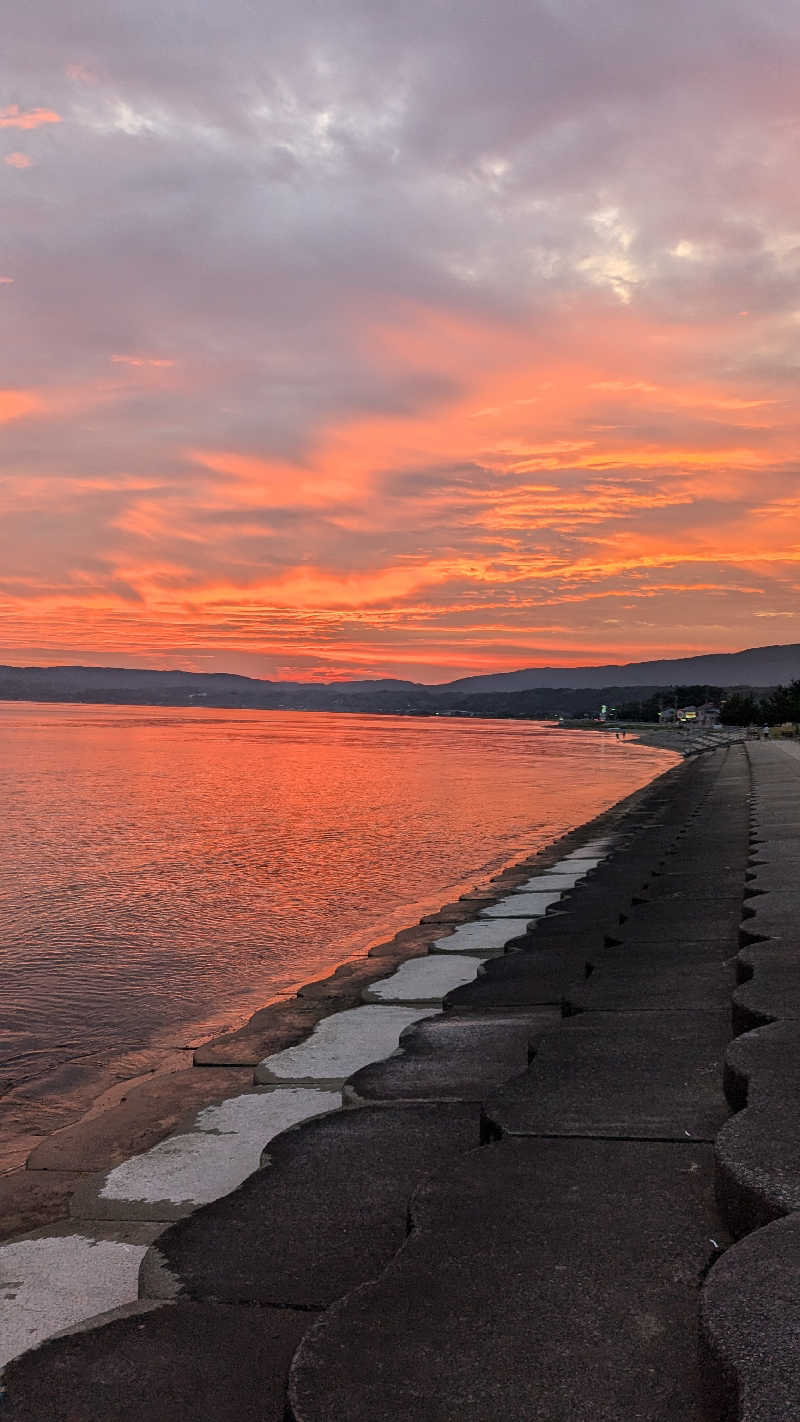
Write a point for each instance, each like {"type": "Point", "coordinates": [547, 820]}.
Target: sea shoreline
{"type": "Point", "coordinates": [133, 1115]}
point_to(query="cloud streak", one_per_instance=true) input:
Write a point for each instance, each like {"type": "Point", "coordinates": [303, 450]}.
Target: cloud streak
{"type": "Point", "coordinates": [13, 117]}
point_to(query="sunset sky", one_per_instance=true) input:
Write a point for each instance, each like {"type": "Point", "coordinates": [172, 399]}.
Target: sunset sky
{"type": "Point", "coordinates": [398, 337]}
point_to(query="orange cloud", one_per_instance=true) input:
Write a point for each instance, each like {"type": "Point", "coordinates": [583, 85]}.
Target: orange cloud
{"type": "Point", "coordinates": [14, 117]}
{"type": "Point", "coordinates": [551, 507]}
{"type": "Point", "coordinates": [15, 404]}
{"type": "Point", "coordinates": [18, 160]}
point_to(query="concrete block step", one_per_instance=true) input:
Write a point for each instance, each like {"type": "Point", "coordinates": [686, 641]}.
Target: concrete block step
{"type": "Point", "coordinates": [757, 1156]}
{"type": "Point", "coordinates": [453, 1058]}
{"type": "Point", "coordinates": [647, 982]}
{"type": "Point", "coordinates": [543, 1279]}
{"type": "Point", "coordinates": [763, 1064]}
{"type": "Point", "coordinates": [769, 988]}
{"type": "Point", "coordinates": [176, 1364]}
{"type": "Point", "coordinates": [749, 1326]}
{"type": "Point", "coordinates": [586, 1079]}
{"type": "Point", "coordinates": [520, 981]}
{"type": "Point", "coordinates": [325, 1214]}
{"type": "Point", "coordinates": [773, 915]}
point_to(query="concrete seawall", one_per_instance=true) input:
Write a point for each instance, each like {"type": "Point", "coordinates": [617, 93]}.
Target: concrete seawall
{"type": "Point", "coordinates": [528, 1210]}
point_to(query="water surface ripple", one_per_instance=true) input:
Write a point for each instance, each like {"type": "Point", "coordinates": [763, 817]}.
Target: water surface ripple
{"type": "Point", "coordinates": [165, 872]}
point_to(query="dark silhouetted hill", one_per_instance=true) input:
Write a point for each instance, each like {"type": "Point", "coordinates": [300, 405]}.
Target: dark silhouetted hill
{"type": "Point", "coordinates": [534, 691]}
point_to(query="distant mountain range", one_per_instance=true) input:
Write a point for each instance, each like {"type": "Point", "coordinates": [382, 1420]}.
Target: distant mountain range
{"type": "Point", "coordinates": [757, 666]}
{"type": "Point", "coordinates": [534, 691]}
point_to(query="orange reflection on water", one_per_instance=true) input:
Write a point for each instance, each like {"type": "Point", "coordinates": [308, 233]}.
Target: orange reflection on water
{"type": "Point", "coordinates": [164, 873]}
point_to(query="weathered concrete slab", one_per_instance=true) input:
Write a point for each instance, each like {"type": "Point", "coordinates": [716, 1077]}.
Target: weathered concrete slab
{"type": "Point", "coordinates": [584, 916]}
{"type": "Point", "coordinates": [590, 923]}
{"type": "Point", "coordinates": [707, 918]}
{"type": "Point", "coordinates": [556, 880]}
{"type": "Point", "coordinates": [176, 1364]}
{"type": "Point", "coordinates": [147, 1114]}
{"type": "Point", "coordinates": [543, 1279]}
{"type": "Point", "coordinates": [690, 863]}
{"type": "Point", "coordinates": [519, 981]}
{"type": "Point", "coordinates": [340, 1045]}
{"type": "Point", "coordinates": [781, 853]}
{"type": "Point", "coordinates": [269, 1030]}
{"type": "Point", "coordinates": [410, 941]}
{"type": "Point", "coordinates": [521, 905]}
{"type": "Point", "coordinates": [699, 887]}
{"type": "Point", "coordinates": [773, 991]}
{"type": "Point", "coordinates": [30, 1199]}
{"type": "Point", "coordinates": [458, 911]}
{"type": "Point", "coordinates": [749, 1326]}
{"type": "Point", "coordinates": [758, 1164]}
{"type": "Point", "coordinates": [482, 938]}
{"type": "Point", "coordinates": [220, 1149]}
{"type": "Point", "coordinates": [622, 868]}
{"type": "Point", "coordinates": [773, 915]}
{"type": "Point", "coordinates": [779, 826]}
{"type": "Point", "coordinates": [326, 1214]}
{"type": "Point", "coordinates": [595, 849]}
{"type": "Point", "coordinates": [586, 1079]}
{"type": "Point", "coordinates": [647, 924]}
{"type": "Point", "coordinates": [423, 982]}
{"type": "Point", "coordinates": [689, 949]}
{"type": "Point", "coordinates": [346, 985]}
{"type": "Point", "coordinates": [622, 874]}
{"type": "Point", "coordinates": [763, 1065]}
{"type": "Point", "coordinates": [657, 984]}
{"type": "Point", "coordinates": [56, 1279]}
{"type": "Point", "coordinates": [452, 1058]}
{"type": "Point", "coordinates": [766, 877]}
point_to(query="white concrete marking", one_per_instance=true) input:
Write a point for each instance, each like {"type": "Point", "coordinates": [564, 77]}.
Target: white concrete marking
{"type": "Point", "coordinates": [551, 882]}
{"type": "Point", "coordinates": [480, 937]}
{"type": "Point", "coordinates": [424, 980]}
{"type": "Point", "coordinates": [341, 1044]}
{"type": "Point", "coordinates": [586, 864]}
{"type": "Point", "coordinates": [566, 867]}
{"type": "Point", "coordinates": [521, 905]}
{"type": "Point", "coordinates": [223, 1147]}
{"type": "Point", "coordinates": [53, 1283]}
{"type": "Point", "coordinates": [546, 897]}
{"type": "Point", "coordinates": [597, 850]}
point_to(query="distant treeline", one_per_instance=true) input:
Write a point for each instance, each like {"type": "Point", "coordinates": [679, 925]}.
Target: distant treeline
{"type": "Point", "coordinates": [745, 709]}
{"type": "Point", "coordinates": [650, 707]}
{"type": "Point", "coordinates": [402, 699]}
{"type": "Point", "coordinates": [126, 687]}
{"type": "Point", "coordinates": [737, 708]}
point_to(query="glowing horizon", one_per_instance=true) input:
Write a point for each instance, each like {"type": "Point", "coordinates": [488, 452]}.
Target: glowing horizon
{"type": "Point", "coordinates": [436, 344]}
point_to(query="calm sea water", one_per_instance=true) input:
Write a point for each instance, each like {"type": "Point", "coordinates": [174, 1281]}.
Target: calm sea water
{"type": "Point", "coordinates": [164, 872]}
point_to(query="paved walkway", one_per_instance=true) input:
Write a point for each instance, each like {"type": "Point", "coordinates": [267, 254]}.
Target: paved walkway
{"type": "Point", "coordinates": [514, 1215]}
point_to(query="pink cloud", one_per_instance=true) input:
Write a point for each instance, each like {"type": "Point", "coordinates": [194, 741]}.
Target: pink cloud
{"type": "Point", "coordinates": [18, 160]}
{"type": "Point", "coordinates": [81, 74]}
{"type": "Point", "coordinates": [141, 361]}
